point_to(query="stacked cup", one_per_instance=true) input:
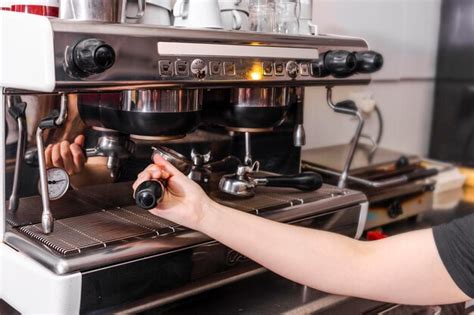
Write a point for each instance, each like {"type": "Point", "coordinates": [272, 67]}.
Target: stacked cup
{"type": "Point", "coordinates": [49, 8]}
{"type": "Point", "coordinates": [158, 12]}
{"type": "Point", "coordinates": [262, 16]}
{"type": "Point", "coordinates": [234, 14]}
{"type": "Point", "coordinates": [5, 5]}
{"type": "Point", "coordinates": [197, 14]}
{"type": "Point", "coordinates": [306, 27]}
{"type": "Point", "coordinates": [286, 16]}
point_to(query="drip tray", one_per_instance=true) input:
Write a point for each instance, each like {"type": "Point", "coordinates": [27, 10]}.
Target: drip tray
{"type": "Point", "coordinates": [268, 198]}
{"type": "Point", "coordinates": [100, 229]}
{"type": "Point", "coordinates": [111, 225]}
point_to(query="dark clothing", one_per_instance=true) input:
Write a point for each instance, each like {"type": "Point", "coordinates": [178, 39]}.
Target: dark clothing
{"type": "Point", "coordinates": [455, 242]}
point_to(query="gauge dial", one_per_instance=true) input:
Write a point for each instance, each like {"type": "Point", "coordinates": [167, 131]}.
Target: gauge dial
{"type": "Point", "coordinates": [58, 182]}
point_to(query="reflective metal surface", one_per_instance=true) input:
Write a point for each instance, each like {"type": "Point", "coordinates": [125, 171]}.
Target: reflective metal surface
{"type": "Point", "coordinates": [273, 203]}
{"type": "Point", "coordinates": [178, 160]}
{"type": "Point", "coordinates": [162, 100]}
{"type": "Point", "coordinates": [138, 60]}
{"type": "Point", "coordinates": [112, 11]}
{"type": "Point", "coordinates": [247, 109]}
{"type": "Point", "coordinates": [258, 97]}
{"type": "Point", "coordinates": [156, 112]}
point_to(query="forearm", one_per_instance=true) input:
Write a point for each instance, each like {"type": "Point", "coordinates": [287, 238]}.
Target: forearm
{"type": "Point", "coordinates": [404, 269]}
{"type": "Point", "coordinates": [315, 258]}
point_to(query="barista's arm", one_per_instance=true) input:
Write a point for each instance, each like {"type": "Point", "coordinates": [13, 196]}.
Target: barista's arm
{"type": "Point", "coordinates": [402, 269]}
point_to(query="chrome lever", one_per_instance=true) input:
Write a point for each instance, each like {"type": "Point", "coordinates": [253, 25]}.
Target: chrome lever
{"type": "Point", "coordinates": [17, 110]}
{"type": "Point", "coordinates": [56, 119]}
{"type": "Point", "coordinates": [348, 108]}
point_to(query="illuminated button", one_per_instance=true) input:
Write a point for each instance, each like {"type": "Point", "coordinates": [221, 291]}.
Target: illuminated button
{"type": "Point", "coordinates": [279, 68]}
{"type": "Point", "coordinates": [229, 68]}
{"type": "Point", "coordinates": [216, 68]}
{"type": "Point", "coordinates": [181, 68]}
{"type": "Point", "coordinates": [304, 69]}
{"type": "Point", "coordinates": [165, 68]}
{"type": "Point", "coordinates": [267, 68]}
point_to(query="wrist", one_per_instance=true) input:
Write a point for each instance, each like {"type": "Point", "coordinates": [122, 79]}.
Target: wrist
{"type": "Point", "coordinates": [208, 216]}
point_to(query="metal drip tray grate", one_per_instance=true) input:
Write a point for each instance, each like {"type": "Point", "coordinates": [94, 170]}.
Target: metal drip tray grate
{"type": "Point", "coordinates": [268, 199]}
{"type": "Point", "coordinates": [75, 234]}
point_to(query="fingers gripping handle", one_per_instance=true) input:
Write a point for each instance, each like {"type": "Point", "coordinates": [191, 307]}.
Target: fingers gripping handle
{"type": "Point", "coordinates": [307, 181]}
{"type": "Point", "coordinates": [149, 194]}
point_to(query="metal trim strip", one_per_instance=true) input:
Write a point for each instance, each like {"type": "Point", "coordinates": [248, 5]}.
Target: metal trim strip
{"type": "Point", "coordinates": [217, 50]}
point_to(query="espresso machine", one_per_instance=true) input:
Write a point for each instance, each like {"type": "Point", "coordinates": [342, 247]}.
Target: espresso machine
{"type": "Point", "coordinates": [225, 106]}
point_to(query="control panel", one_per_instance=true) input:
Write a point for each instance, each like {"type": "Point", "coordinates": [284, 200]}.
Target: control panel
{"type": "Point", "coordinates": [228, 69]}
{"type": "Point", "coordinates": [142, 58]}
{"type": "Point", "coordinates": [93, 56]}
{"type": "Point", "coordinates": [336, 64]}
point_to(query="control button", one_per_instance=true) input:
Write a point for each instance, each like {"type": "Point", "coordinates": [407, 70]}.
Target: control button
{"type": "Point", "coordinates": [165, 67]}
{"type": "Point", "coordinates": [395, 209]}
{"type": "Point", "coordinates": [317, 69]}
{"type": "Point", "coordinates": [267, 68]}
{"type": "Point", "coordinates": [199, 68]}
{"type": "Point", "coordinates": [181, 68]}
{"type": "Point", "coordinates": [216, 68]}
{"type": "Point", "coordinates": [279, 68]}
{"type": "Point", "coordinates": [229, 68]}
{"type": "Point", "coordinates": [304, 69]}
{"type": "Point", "coordinates": [292, 69]}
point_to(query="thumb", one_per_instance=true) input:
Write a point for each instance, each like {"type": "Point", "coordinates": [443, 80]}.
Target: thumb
{"type": "Point", "coordinates": [79, 140]}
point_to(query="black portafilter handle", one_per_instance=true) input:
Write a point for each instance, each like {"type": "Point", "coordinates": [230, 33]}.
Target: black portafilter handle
{"type": "Point", "coordinates": [307, 181]}
{"type": "Point", "coordinates": [148, 194]}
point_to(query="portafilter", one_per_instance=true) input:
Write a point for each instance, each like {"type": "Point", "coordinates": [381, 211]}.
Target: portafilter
{"type": "Point", "coordinates": [199, 167]}
{"type": "Point", "coordinates": [244, 182]}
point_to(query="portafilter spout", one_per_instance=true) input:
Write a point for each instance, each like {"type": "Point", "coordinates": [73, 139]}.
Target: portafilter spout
{"type": "Point", "coordinates": [115, 147]}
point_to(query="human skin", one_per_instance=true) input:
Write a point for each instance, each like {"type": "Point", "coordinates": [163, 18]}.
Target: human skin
{"type": "Point", "coordinates": [405, 269]}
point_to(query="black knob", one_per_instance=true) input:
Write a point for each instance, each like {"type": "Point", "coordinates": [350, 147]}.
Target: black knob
{"type": "Point", "coordinates": [340, 63]}
{"type": "Point", "coordinates": [149, 194]}
{"type": "Point", "coordinates": [395, 209]}
{"type": "Point", "coordinates": [368, 61]}
{"type": "Point", "coordinates": [93, 56]}
{"type": "Point", "coordinates": [318, 70]}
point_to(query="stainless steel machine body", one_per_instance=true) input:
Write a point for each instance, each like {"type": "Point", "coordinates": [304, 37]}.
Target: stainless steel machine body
{"type": "Point", "coordinates": [398, 186]}
{"type": "Point", "coordinates": [101, 245]}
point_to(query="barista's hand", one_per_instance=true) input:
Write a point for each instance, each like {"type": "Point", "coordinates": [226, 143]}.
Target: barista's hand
{"type": "Point", "coordinates": [68, 156]}
{"type": "Point", "coordinates": [184, 200]}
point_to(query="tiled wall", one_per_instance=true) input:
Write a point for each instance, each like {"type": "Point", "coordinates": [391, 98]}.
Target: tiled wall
{"type": "Point", "coordinates": [406, 32]}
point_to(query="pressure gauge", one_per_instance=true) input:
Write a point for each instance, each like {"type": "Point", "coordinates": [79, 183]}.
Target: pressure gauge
{"type": "Point", "coordinates": [58, 182]}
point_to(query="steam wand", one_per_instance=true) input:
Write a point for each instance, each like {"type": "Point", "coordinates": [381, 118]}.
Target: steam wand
{"type": "Point", "coordinates": [17, 110]}
{"type": "Point", "coordinates": [248, 150]}
{"type": "Point", "coordinates": [347, 107]}
{"type": "Point", "coordinates": [54, 120]}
